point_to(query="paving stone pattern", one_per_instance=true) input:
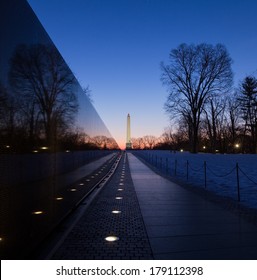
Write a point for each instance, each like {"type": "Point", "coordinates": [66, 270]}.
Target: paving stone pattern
{"type": "Point", "coordinates": [87, 239]}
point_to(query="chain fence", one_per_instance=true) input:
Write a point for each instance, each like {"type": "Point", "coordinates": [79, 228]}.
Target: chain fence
{"type": "Point", "coordinates": [185, 170]}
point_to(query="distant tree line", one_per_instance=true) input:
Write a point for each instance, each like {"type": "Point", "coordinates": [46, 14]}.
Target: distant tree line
{"type": "Point", "coordinates": [39, 107]}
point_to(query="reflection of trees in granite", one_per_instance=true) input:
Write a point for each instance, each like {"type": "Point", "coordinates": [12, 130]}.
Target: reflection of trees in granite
{"type": "Point", "coordinates": [8, 117]}
{"type": "Point", "coordinates": [44, 87]}
{"type": "Point", "coordinates": [103, 142]}
{"type": "Point", "coordinates": [39, 106]}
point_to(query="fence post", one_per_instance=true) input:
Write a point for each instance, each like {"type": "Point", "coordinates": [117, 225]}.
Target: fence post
{"type": "Point", "coordinates": [175, 168]}
{"type": "Point", "coordinates": [238, 185]}
{"type": "Point", "coordinates": [205, 184]}
{"type": "Point", "coordinates": [187, 169]}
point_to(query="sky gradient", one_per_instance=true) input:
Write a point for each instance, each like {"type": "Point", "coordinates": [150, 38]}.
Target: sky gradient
{"type": "Point", "coordinates": [116, 47]}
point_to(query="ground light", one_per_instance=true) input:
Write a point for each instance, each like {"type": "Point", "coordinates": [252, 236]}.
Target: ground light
{"type": "Point", "coordinates": [116, 212]}
{"type": "Point", "coordinates": [37, 212]}
{"type": "Point", "coordinates": [111, 238]}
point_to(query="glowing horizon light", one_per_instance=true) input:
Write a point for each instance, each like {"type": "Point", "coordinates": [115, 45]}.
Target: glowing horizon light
{"type": "Point", "coordinates": [111, 238]}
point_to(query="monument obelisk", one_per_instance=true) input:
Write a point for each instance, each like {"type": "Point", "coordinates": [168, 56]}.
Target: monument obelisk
{"type": "Point", "coordinates": [128, 142]}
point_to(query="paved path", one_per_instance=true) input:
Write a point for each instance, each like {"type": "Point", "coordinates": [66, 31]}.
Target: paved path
{"type": "Point", "coordinates": [183, 225]}
{"type": "Point", "coordinates": [158, 220]}
{"type": "Point", "coordinates": [87, 239]}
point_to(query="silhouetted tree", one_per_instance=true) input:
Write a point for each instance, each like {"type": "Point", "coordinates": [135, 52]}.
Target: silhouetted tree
{"type": "Point", "coordinates": [45, 89]}
{"type": "Point", "coordinates": [195, 72]}
{"type": "Point", "coordinates": [8, 116]}
{"type": "Point", "coordinates": [248, 105]}
{"type": "Point", "coordinates": [150, 141]}
{"type": "Point", "coordinates": [214, 116]}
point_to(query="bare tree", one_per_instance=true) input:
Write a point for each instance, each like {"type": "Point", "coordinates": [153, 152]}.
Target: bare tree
{"type": "Point", "coordinates": [248, 105]}
{"type": "Point", "coordinates": [150, 141]}
{"type": "Point", "coordinates": [45, 86]}
{"type": "Point", "coordinates": [214, 117]}
{"type": "Point", "coordinates": [195, 72]}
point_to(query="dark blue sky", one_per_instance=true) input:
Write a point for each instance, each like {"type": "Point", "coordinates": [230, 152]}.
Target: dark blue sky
{"type": "Point", "coordinates": [116, 47]}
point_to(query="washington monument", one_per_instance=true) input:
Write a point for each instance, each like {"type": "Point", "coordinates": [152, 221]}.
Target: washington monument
{"type": "Point", "coordinates": [128, 142]}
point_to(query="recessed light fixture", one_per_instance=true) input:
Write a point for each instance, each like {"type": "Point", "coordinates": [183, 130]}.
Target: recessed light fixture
{"type": "Point", "coordinates": [81, 184]}
{"type": "Point", "coordinates": [111, 238]}
{"type": "Point", "coordinates": [120, 190]}
{"type": "Point", "coordinates": [121, 184]}
{"type": "Point", "coordinates": [44, 148]}
{"type": "Point", "coordinates": [73, 190]}
{"type": "Point", "coordinates": [116, 212]}
{"type": "Point", "coordinates": [118, 197]}
{"type": "Point", "coordinates": [37, 212]}
{"type": "Point", "coordinates": [59, 198]}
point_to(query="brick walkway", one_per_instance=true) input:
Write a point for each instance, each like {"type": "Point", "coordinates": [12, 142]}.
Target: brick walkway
{"type": "Point", "coordinates": [158, 220]}
{"type": "Point", "coordinates": [87, 239]}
